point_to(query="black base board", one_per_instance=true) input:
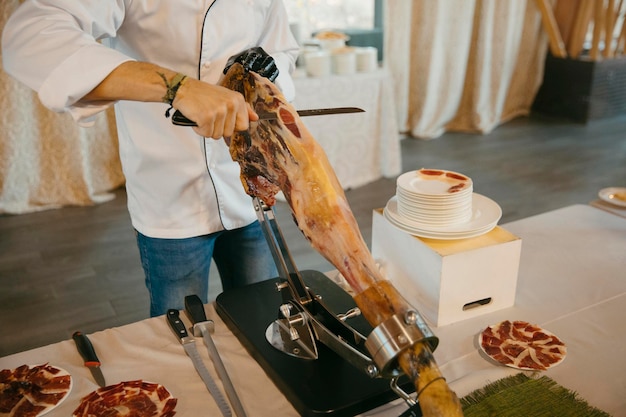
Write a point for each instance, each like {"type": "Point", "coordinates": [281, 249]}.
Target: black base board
{"type": "Point", "coordinates": [327, 386]}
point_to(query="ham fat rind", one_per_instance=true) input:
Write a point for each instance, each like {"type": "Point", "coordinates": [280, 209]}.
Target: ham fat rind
{"type": "Point", "coordinates": [281, 155]}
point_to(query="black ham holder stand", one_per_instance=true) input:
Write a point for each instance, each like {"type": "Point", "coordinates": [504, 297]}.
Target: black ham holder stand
{"type": "Point", "coordinates": [280, 322]}
{"type": "Point", "coordinates": [328, 385]}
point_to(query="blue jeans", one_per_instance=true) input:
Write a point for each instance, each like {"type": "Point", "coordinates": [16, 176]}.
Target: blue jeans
{"type": "Point", "coordinates": [175, 268]}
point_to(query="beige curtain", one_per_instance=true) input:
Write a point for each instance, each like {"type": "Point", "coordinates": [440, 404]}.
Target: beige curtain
{"type": "Point", "coordinates": [46, 159]}
{"type": "Point", "coordinates": [463, 65]}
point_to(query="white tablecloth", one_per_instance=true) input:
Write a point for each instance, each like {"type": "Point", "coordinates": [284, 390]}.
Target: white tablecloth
{"type": "Point", "coordinates": [46, 160]}
{"type": "Point", "coordinates": [571, 282]}
{"type": "Point", "coordinates": [361, 147]}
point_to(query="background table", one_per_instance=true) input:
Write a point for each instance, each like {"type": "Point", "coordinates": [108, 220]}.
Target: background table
{"type": "Point", "coordinates": [361, 147]}
{"type": "Point", "coordinates": [46, 159]}
{"type": "Point", "coordinates": [611, 208]}
{"type": "Point", "coordinates": [571, 282]}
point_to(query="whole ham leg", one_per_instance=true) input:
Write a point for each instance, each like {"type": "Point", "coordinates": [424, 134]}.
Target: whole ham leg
{"type": "Point", "coordinates": [281, 155]}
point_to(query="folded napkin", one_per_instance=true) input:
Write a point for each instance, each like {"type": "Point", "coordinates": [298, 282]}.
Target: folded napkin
{"type": "Point", "coordinates": [521, 395]}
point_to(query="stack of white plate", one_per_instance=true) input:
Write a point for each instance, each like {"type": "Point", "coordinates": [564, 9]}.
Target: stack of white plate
{"type": "Point", "coordinates": [440, 204]}
{"type": "Point", "coordinates": [435, 197]}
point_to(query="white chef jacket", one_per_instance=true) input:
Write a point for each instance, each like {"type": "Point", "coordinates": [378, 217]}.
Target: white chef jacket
{"type": "Point", "coordinates": [179, 184]}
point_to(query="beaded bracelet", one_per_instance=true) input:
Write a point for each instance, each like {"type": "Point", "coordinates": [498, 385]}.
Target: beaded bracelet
{"type": "Point", "coordinates": [172, 89]}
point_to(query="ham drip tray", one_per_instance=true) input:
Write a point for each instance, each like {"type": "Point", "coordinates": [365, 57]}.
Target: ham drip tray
{"type": "Point", "coordinates": [308, 335]}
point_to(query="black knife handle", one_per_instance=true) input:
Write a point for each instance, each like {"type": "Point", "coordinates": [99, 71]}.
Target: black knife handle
{"type": "Point", "coordinates": [195, 309]}
{"type": "Point", "coordinates": [173, 318]}
{"type": "Point", "coordinates": [179, 119]}
{"type": "Point", "coordinates": [86, 350]}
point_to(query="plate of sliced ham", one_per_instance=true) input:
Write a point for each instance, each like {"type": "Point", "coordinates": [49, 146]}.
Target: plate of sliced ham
{"type": "Point", "coordinates": [32, 391]}
{"type": "Point", "coordinates": [129, 398]}
{"type": "Point", "coordinates": [522, 345]}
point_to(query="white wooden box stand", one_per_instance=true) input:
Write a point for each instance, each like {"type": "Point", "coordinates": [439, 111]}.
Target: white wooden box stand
{"type": "Point", "coordinates": [449, 280]}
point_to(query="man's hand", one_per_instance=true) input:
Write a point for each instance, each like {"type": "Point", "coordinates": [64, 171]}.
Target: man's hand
{"type": "Point", "coordinates": [257, 60]}
{"type": "Point", "coordinates": [216, 110]}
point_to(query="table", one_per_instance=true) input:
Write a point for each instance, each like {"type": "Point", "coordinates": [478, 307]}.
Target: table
{"type": "Point", "coordinates": [46, 159]}
{"type": "Point", "coordinates": [611, 208]}
{"type": "Point", "coordinates": [361, 147]}
{"type": "Point", "coordinates": [571, 282]}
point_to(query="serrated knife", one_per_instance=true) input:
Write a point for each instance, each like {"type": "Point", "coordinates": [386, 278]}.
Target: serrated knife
{"type": "Point", "coordinates": [180, 120]}
{"type": "Point", "coordinates": [189, 344]}
{"type": "Point", "coordinates": [88, 353]}
{"type": "Point", "coordinates": [203, 327]}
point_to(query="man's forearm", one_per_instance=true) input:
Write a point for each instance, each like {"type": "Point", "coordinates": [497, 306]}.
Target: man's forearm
{"type": "Point", "coordinates": [132, 80]}
{"type": "Point", "coordinates": [216, 110]}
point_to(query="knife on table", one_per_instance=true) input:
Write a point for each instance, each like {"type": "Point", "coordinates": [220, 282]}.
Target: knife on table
{"type": "Point", "coordinates": [180, 120]}
{"type": "Point", "coordinates": [189, 344]}
{"type": "Point", "coordinates": [86, 350]}
{"type": "Point", "coordinates": [203, 327]}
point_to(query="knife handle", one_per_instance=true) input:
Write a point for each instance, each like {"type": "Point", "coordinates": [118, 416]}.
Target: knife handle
{"type": "Point", "coordinates": [173, 318]}
{"type": "Point", "coordinates": [195, 309]}
{"type": "Point", "coordinates": [86, 350]}
{"type": "Point", "coordinates": [179, 119]}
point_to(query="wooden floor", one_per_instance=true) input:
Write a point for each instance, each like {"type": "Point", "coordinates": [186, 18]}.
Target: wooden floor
{"type": "Point", "coordinates": [78, 268]}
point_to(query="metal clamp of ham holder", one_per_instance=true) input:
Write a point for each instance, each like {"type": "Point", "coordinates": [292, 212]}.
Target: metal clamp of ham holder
{"type": "Point", "coordinates": [305, 320]}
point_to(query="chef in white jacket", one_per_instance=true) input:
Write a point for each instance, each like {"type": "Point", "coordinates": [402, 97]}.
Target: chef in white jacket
{"type": "Point", "coordinates": [185, 197]}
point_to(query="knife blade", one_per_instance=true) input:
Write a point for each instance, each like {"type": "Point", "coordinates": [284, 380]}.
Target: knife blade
{"type": "Point", "coordinates": [88, 353]}
{"type": "Point", "coordinates": [189, 345]}
{"type": "Point", "coordinates": [180, 120]}
{"type": "Point", "coordinates": [203, 327]}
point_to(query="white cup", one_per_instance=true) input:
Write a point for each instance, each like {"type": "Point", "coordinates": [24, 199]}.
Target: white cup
{"type": "Point", "coordinates": [330, 44]}
{"type": "Point", "coordinates": [331, 40]}
{"type": "Point", "coordinates": [366, 59]}
{"type": "Point", "coordinates": [304, 51]}
{"type": "Point", "coordinates": [344, 61]}
{"type": "Point", "coordinates": [318, 64]}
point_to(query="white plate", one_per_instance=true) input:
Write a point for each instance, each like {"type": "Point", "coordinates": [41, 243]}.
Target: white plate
{"type": "Point", "coordinates": [614, 195]}
{"type": "Point", "coordinates": [446, 198]}
{"type": "Point", "coordinates": [438, 204]}
{"type": "Point", "coordinates": [59, 372]}
{"type": "Point", "coordinates": [436, 221]}
{"type": "Point", "coordinates": [485, 216]}
{"type": "Point", "coordinates": [419, 211]}
{"type": "Point", "coordinates": [421, 182]}
{"type": "Point", "coordinates": [439, 236]}
{"type": "Point", "coordinates": [527, 347]}
{"type": "Point", "coordinates": [159, 398]}
{"type": "Point", "coordinates": [448, 231]}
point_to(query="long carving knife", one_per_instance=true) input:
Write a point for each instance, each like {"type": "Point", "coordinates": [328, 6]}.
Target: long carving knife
{"type": "Point", "coordinates": [88, 353]}
{"type": "Point", "coordinates": [189, 344]}
{"type": "Point", "coordinates": [203, 327]}
{"type": "Point", "coordinates": [180, 120]}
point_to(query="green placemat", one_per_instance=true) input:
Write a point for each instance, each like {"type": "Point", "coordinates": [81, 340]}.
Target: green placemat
{"type": "Point", "coordinates": [520, 395]}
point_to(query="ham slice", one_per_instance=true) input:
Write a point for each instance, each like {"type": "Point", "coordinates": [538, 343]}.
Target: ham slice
{"type": "Point", "coordinates": [282, 155]}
